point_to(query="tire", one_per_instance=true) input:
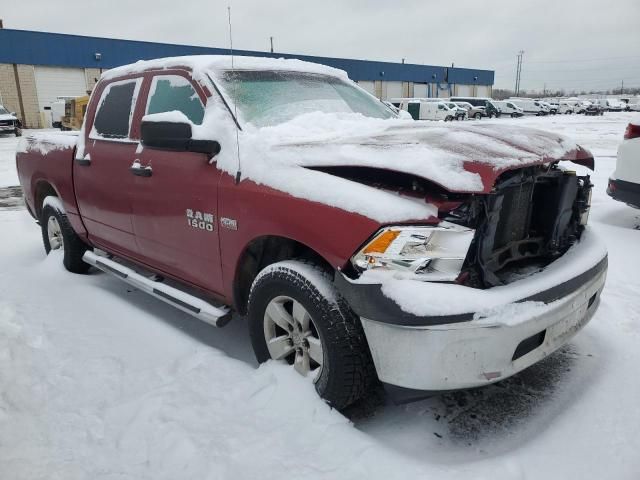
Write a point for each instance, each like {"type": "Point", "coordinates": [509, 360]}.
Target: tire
{"type": "Point", "coordinates": [448, 118]}
{"type": "Point", "coordinates": [18, 132]}
{"type": "Point", "coordinates": [346, 372]}
{"type": "Point", "coordinates": [477, 116]}
{"type": "Point", "coordinates": [53, 219]}
{"type": "Point", "coordinates": [513, 115]}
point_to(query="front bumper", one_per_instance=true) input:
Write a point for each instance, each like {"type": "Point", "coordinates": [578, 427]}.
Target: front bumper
{"type": "Point", "coordinates": [7, 128]}
{"type": "Point", "coordinates": [475, 348]}
{"type": "Point", "coordinates": [627, 192]}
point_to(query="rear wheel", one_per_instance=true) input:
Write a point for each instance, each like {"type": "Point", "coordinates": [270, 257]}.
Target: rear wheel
{"type": "Point", "coordinates": [448, 118]}
{"type": "Point", "coordinates": [57, 234]}
{"type": "Point", "coordinates": [297, 317]}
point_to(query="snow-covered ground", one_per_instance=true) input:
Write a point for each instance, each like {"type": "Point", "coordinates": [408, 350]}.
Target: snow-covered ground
{"type": "Point", "coordinates": [99, 381]}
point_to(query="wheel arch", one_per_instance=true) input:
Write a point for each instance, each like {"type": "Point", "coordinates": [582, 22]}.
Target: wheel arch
{"type": "Point", "coordinates": [262, 252]}
{"type": "Point", "coordinates": [42, 190]}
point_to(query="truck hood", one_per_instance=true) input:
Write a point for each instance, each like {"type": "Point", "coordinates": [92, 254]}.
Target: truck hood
{"type": "Point", "coordinates": [459, 158]}
{"type": "Point", "coordinates": [7, 116]}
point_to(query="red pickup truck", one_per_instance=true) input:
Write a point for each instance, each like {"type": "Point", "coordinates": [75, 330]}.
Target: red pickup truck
{"type": "Point", "coordinates": [362, 247]}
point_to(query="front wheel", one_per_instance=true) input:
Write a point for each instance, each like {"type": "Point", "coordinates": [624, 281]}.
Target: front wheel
{"type": "Point", "coordinates": [297, 317]}
{"type": "Point", "coordinates": [18, 132]}
{"type": "Point", "coordinates": [477, 116]}
{"type": "Point", "coordinates": [57, 234]}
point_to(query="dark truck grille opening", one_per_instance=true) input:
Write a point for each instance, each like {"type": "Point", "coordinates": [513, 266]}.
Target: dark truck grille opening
{"type": "Point", "coordinates": [532, 216]}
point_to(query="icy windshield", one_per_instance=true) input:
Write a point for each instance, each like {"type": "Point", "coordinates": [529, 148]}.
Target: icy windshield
{"type": "Point", "coordinates": [4, 111]}
{"type": "Point", "coordinates": [268, 98]}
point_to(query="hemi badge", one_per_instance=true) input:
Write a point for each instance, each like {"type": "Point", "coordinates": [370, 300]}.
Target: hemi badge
{"type": "Point", "coordinates": [229, 223]}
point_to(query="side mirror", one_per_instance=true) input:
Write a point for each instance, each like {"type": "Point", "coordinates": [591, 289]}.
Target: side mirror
{"type": "Point", "coordinates": [176, 137]}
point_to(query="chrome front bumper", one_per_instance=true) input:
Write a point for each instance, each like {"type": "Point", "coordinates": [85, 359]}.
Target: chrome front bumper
{"type": "Point", "coordinates": [448, 352]}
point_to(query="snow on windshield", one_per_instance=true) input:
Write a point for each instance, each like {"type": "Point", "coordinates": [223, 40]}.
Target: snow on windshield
{"type": "Point", "coordinates": [267, 98]}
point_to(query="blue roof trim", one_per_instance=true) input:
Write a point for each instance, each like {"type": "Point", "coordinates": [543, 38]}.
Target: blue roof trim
{"type": "Point", "coordinates": [57, 49]}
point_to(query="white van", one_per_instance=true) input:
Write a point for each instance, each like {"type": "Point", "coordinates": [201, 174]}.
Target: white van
{"type": "Point", "coordinates": [529, 107]}
{"type": "Point", "coordinates": [507, 107]}
{"type": "Point", "coordinates": [566, 107]}
{"type": "Point", "coordinates": [425, 109]}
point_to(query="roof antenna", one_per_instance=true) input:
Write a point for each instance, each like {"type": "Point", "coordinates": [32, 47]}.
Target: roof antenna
{"type": "Point", "coordinates": [235, 108]}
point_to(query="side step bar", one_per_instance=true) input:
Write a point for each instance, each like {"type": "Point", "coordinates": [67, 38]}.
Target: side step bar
{"type": "Point", "coordinates": [216, 316]}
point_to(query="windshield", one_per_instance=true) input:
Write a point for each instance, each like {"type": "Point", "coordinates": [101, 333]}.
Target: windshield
{"type": "Point", "coordinates": [271, 97]}
{"type": "Point", "coordinates": [4, 111]}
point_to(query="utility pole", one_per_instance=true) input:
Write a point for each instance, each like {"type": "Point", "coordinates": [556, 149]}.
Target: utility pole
{"type": "Point", "coordinates": [271, 39]}
{"type": "Point", "coordinates": [519, 71]}
{"type": "Point", "coordinates": [622, 88]}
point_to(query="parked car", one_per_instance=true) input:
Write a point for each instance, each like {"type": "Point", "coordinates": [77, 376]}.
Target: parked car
{"type": "Point", "coordinates": [615, 105]}
{"type": "Point", "coordinates": [565, 107]}
{"type": "Point", "coordinates": [529, 107]}
{"type": "Point", "coordinates": [424, 109]}
{"type": "Point", "coordinates": [547, 107]}
{"type": "Point", "coordinates": [509, 108]}
{"type": "Point", "coordinates": [594, 108]}
{"type": "Point", "coordinates": [472, 111]}
{"type": "Point", "coordinates": [9, 123]}
{"type": "Point", "coordinates": [490, 110]}
{"type": "Point", "coordinates": [554, 106]}
{"type": "Point", "coordinates": [634, 105]}
{"type": "Point", "coordinates": [361, 247]}
{"type": "Point", "coordinates": [461, 113]}
{"type": "Point", "coordinates": [624, 184]}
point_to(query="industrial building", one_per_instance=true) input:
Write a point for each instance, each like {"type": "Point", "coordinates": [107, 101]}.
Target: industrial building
{"type": "Point", "coordinates": [36, 68]}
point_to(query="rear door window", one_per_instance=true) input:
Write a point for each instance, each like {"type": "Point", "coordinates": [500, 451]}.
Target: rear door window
{"type": "Point", "coordinates": [175, 93]}
{"type": "Point", "coordinates": [115, 110]}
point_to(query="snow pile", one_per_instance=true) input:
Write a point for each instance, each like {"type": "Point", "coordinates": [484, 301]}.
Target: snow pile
{"type": "Point", "coordinates": [46, 142]}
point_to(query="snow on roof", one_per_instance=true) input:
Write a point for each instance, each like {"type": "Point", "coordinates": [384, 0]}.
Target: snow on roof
{"type": "Point", "coordinates": [201, 64]}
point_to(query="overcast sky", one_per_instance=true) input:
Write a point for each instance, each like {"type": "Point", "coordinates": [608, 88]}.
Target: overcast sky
{"type": "Point", "coordinates": [568, 43]}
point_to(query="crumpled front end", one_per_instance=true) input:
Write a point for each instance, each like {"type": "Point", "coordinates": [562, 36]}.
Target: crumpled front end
{"type": "Point", "coordinates": [530, 279]}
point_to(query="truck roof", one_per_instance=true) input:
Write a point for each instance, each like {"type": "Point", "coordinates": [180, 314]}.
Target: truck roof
{"type": "Point", "coordinates": [200, 65]}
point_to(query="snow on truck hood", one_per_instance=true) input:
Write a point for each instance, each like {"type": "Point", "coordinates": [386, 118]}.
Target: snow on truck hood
{"type": "Point", "coordinates": [460, 158]}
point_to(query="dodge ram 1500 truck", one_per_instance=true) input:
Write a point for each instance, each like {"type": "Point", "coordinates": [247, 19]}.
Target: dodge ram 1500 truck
{"type": "Point", "coordinates": [362, 248]}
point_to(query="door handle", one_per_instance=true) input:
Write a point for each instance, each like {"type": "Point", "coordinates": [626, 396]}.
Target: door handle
{"type": "Point", "coordinates": [83, 162]}
{"type": "Point", "coordinates": [140, 171]}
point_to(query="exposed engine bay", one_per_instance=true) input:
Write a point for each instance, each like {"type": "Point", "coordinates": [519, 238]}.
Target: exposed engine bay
{"type": "Point", "coordinates": [531, 217]}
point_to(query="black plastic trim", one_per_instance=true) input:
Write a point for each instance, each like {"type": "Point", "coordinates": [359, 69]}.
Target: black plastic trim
{"type": "Point", "coordinates": [368, 301]}
{"type": "Point", "coordinates": [175, 300]}
{"type": "Point", "coordinates": [111, 269]}
{"type": "Point", "coordinates": [627, 192]}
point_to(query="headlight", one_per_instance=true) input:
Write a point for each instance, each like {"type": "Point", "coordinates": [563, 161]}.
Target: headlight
{"type": "Point", "coordinates": [431, 253]}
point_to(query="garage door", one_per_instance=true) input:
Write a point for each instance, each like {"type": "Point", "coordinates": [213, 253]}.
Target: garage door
{"type": "Point", "coordinates": [420, 90]}
{"type": "Point", "coordinates": [464, 90]}
{"type": "Point", "coordinates": [54, 82]}
{"type": "Point", "coordinates": [368, 86]}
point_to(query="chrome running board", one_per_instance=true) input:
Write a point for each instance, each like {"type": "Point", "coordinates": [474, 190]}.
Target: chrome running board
{"type": "Point", "coordinates": [211, 314]}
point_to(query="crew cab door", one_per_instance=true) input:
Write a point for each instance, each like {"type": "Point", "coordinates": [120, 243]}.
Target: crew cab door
{"type": "Point", "coordinates": [101, 170]}
{"type": "Point", "coordinates": [175, 210]}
